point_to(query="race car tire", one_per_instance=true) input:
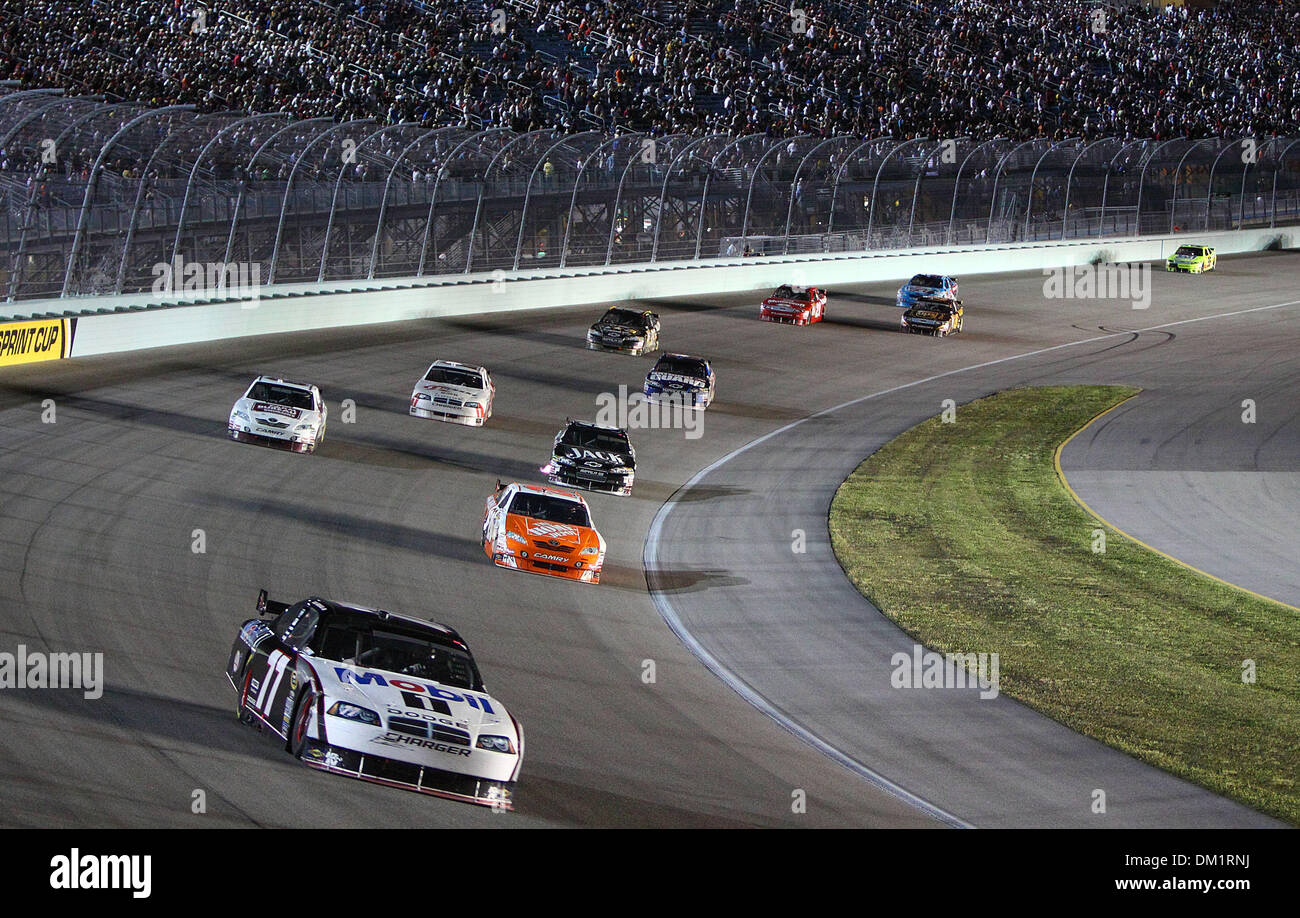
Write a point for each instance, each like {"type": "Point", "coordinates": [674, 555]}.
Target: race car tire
{"type": "Point", "coordinates": [302, 714]}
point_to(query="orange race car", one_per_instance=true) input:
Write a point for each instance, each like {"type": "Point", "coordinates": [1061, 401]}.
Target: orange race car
{"type": "Point", "coordinates": [542, 530]}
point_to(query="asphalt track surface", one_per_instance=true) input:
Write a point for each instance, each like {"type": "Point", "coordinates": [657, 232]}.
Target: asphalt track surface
{"type": "Point", "coordinates": [98, 512]}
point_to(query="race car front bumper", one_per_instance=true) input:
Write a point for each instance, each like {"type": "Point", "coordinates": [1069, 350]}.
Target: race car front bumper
{"type": "Point", "coordinates": [786, 318]}
{"type": "Point", "coordinates": [634, 350]}
{"type": "Point", "coordinates": [679, 398]}
{"type": "Point", "coordinates": [408, 775]}
{"type": "Point", "coordinates": [469, 417]}
{"type": "Point", "coordinates": [566, 568]}
{"type": "Point", "coordinates": [1198, 268]}
{"type": "Point", "coordinates": [287, 444]}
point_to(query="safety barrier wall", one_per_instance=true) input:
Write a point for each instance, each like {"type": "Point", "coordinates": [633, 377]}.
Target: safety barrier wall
{"type": "Point", "coordinates": [147, 323]}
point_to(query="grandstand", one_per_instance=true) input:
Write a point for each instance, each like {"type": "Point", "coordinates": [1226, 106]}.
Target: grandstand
{"type": "Point", "coordinates": [328, 141]}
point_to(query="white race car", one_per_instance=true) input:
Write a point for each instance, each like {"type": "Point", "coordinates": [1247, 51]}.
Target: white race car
{"type": "Point", "coordinates": [376, 696]}
{"type": "Point", "coordinates": [454, 392]}
{"type": "Point", "coordinates": [276, 412]}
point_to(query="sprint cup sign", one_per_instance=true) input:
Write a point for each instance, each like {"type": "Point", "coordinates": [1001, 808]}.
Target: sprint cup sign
{"type": "Point", "coordinates": [31, 342]}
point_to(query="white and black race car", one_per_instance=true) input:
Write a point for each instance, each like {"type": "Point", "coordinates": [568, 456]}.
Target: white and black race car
{"type": "Point", "coordinates": [596, 458]}
{"type": "Point", "coordinates": [277, 412]}
{"type": "Point", "coordinates": [376, 696]}
{"type": "Point", "coordinates": [454, 392]}
{"type": "Point", "coordinates": [630, 331]}
{"type": "Point", "coordinates": [681, 380]}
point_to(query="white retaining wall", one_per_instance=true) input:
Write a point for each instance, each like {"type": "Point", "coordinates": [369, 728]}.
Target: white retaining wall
{"type": "Point", "coordinates": [302, 307]}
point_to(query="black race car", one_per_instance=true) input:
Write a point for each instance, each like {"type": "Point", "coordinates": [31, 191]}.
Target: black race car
{"type": "Point", "coordinates": [934, 316]}
{"type": "Point", "coordinates": [628, 331]}
{"type": "Point", "coordinates": [592, 457]}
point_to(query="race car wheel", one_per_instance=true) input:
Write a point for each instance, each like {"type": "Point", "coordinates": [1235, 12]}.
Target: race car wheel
{"type": "Point", "coordinates": [301, 722]}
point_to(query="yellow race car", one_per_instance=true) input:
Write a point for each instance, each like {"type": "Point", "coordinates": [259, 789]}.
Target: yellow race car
{"type": "Point", "coordinates": [1192, 259]}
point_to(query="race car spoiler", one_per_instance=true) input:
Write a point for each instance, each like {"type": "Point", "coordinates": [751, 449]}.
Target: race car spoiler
{"type": "Point", "coordinates": [266, 606]}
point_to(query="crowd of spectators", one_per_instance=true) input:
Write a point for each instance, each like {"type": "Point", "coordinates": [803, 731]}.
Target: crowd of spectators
{"type": "Point", "coordinates": [936, 68]}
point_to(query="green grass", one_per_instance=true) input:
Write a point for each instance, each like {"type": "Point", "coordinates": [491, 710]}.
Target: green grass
{"type": "Point", "coordinates": [964, 535]}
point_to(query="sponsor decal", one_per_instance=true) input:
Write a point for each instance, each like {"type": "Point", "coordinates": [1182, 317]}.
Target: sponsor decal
{"type": "Point", "coordinates": [539, 555]}
{"type": "Point", "coordinates": [677, 377]}
{"type": "Point", "coordinates": [551, 530]}
{"type": "Point", "coordinates": [368, 677]}
{"type": "Point", "coordinates": [75, 870]}
{"type": "Point", "coordinates": [272, 408]}
{"type": "Point", "coordinates": [400, 739]}
{"type": "Point", "coordinates": [33, 342]}
{"type": "Point", "coordinates": [254, 633]}
{"type": "Point", "coordinates": [578, 452]}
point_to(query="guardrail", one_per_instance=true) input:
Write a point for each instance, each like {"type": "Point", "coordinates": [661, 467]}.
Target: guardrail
{"type": "Point", "coordinates": [126, 323]}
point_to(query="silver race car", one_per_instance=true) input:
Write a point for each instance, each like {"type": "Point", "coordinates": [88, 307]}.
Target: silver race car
{"type": "Point", "coordinates": [454, 392]}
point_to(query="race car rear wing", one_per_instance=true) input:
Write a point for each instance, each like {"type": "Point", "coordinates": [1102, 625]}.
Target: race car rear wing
{"type": "Point", "coordinates": [267, 606]}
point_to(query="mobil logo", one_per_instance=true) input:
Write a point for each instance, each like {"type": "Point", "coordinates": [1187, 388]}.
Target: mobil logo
{"type": "Point", "coordinates": [369, 677]}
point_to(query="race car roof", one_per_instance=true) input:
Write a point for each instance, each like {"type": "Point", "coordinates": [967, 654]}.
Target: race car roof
{"type": "Point", "coordinates": [282, 381]}
{"type": "Point", "coordinates": [329, 605]}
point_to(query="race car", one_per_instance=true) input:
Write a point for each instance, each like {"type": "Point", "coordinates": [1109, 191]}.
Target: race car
{"type": "Point", "coordinates": [927, 286]}
{"type": "Point", "coordinates": [682, 380]}
{"type": "Point", "coordinates": [794, 305]}
{"type": "Point", "coordinates": [629, 331]}
{"type": "Point", "coordinates": [454, 392]}
{"type": "Point", "coordinates": [279, 413]}
{"type": "Point", "coordinates": [376, 696]}
{"type": "Point", "coordinates": [542, 530]}
{"type": "Point", "coordinates": [592, 457]}
{"type": "Point", "coordinates": [938, 317]}
{"type": "Point", "coordinates": [1193, 259]}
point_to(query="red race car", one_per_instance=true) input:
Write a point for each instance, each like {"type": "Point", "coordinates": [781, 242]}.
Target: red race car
{"type": "Point", "coordinates": [794, 305]}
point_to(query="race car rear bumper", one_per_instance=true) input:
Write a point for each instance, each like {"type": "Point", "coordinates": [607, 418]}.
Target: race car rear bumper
{"type": "Point", "coordinates": [450, 415]}
{"type": "Point", "coordinates": [422, 778]}
{"type": "Point", "coordinates": [273, 442]}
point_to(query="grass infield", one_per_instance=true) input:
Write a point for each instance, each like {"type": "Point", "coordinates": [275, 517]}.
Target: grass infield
{"type": "Point", "coordinates": [964, 534]}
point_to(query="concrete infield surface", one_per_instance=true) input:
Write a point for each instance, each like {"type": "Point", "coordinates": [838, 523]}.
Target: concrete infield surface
{"type": "Point", "coordinates": [99, 512]}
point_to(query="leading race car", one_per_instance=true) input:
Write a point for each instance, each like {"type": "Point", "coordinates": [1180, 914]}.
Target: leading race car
{"type": "Point", "coordinates": [927, 286]}
{"type": "Point", "coordinates": [279, 413]}
{"type": "Point", "coordinates": [937, 317]}
{"type": "Point", "coordinates": [794, 305]}
{"type": "Point", "coordinates": [376, 696]}
{"type": "Point", "coordinates": [680, 379]}
{"type": "Point", "coordinates": [542, 530]}
{"type": "Point", "coordinates": [454, 392]}
{"type": "Point", "coordinates": [629, 331]}
{"type": "Point", "coordinates": [589, 456]}
{"type": "Point", "coordinates": [1193, 259]}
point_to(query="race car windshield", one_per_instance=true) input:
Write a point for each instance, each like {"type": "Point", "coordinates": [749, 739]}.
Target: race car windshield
{"type": "Point", "coordinates": [926, 280]}
{"type": "Point", "coordinates": [551, 509]}
{"type": "Point", "coordinates": [447, 376]}
{"type": "Point", "coordinates": [1188, 250]}
{"type": "Point", "coordinates": [791, 293]}
{"type": "Point", "coordinates": [682, 367]}
{"type": "Point", "coordinates": [394, 651]}
{"type": "Point", "coordinates": [591, 438]}
{"type": "Point", "coordinates": [289, 396]}
{"type": "Point", "coordinates": [623, 317]}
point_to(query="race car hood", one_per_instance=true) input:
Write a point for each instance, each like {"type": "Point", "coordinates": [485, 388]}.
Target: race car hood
{"type": "Point", "coordinates": [269, 414]}
{"type": "Point", "coordinates": [558, 535]}
{"type": "Point", "coordinates": [606, 459]}
{"type": "Point", "coordinates": [610, 328]}
{"type": "Point", "coordinates": [380, 690]}
{"type": "Point", "coordinates": [671, 379]}
{"type": "Point", "coordinates": [461, 393]}
{"type": "Point", "coordinates": [919, 291]}
{"type": "Point", "coordinates": [929, 314]}
{"type": "Point", "coordinates": [788, 302]}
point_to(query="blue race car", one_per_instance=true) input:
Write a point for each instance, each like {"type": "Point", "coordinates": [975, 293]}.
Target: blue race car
{"type": "Point", "coordinates": [678, 378]}
{"type": "Point", "coordinates": [929, 287]}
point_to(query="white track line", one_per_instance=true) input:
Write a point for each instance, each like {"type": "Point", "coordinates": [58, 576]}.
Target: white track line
{"type": "Point", "coordinates": [650, 552]}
